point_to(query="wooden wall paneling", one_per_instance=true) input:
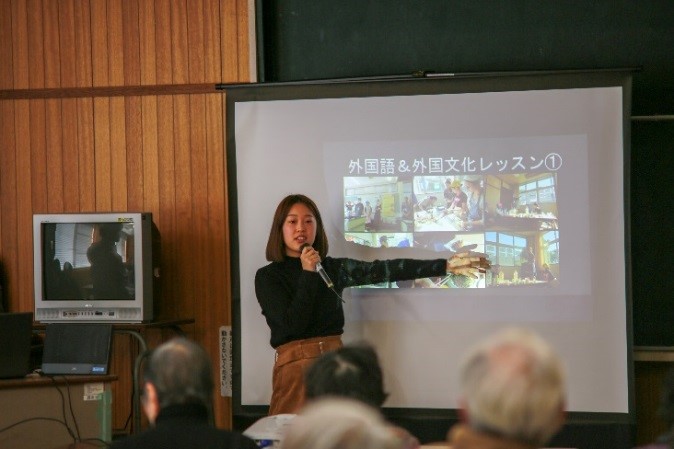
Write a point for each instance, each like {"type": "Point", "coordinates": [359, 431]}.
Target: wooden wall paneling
{"type": "Point", "coordinates": [166, 204]}
{"type": "Point", "coordinates": [201, 245]}
{"type": "Point", "coordinates": [52, 49]}
{"type": "Point", "coordinates": [147, 37]}
{"type": "Point", "coordinates": [54, 155]}
{"type": "Point", "coordinates": [131, 33]}
{"type": "Point", "coordinates": [134, 153]}
{"type": "Point", "coordinates": [150, 154]}
{"type": "Point", "coordinates": [85, 154]}
{"type": "Point", "coordinates": [66, 40]}
{"type": "Point", "coordinates": [8, 201]}
{"type": "Point", "coordinates": [23, 293]}
{"type": "Point", "coordinates": [102, 154]}
{"type": "Point", "coordinates": [4, 122]}
{"type": "Point", "coordinates": [99, 44]}
{"type": "Point", "coordinates": [163, 154]}
{"type": "Point", "coordinates": [180, 63]}
{"type": "Point", "coordinates": [116, 38]}
{"type": "Point", "coordinates": [218, 270]}
{"type": "Point", "coordinates": [163, 52]}
{"type": "Point", "coordinates": [71, 166]}
{"type": "Point", "coordinates": [19, 46]}
{"type": "Point", "coordinates": [118, 165]}
{"type": "Point", "coordinates": [230, 41]}
{"type": "Point", "coordinates": [6, 68]}
{"type": "Point", "coordinates": [14, 47]}
{"type": "Point", "coordinates": [37, 148]}
{"type": "Point", "coordinates": [185, 256]}
{"type": "Point", "coordinates": [212, 50]}
{"type": "Point", "coordinates": [122, 357]}
{"type": "Point", "coordinates": [243, 41]}
{"type": "Point", "coordinates": [35, 44]}
{"type": "Point", "coordinates": [195, 38]}
{"type": "Point", "coordinates": [219, 298]}
{"type": "Point", "coordinates": [83, 60]}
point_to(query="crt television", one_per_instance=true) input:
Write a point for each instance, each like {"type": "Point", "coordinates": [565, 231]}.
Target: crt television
{"type": "Point", "coordinates": [95, 267]}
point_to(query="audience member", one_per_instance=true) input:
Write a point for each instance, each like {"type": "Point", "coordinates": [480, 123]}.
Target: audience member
{"type": "Point", "coordinates": [339, 423]}
{"type": "Point", "coordinates": [513, 393]}
{"type": "Point", "coordinates": [177, 397]}
{"type": "Point", "coordinates": [352, 371]}
{"type": "Point", "coordinates": [666, 412]}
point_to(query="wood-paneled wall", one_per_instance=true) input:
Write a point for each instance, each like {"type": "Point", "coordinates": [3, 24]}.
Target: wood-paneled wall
{"type": "Point", "coordinates": [78, 134]}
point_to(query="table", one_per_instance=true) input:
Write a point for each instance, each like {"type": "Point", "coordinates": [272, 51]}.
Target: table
{"type": "Point", "coordinates": [136, 331]}
{"type": "Point", "coordinates": [437, 220]}
{"type": "Point", "coordinates": [530, 222]}
{"type": "Point", "coordinates": [36, 410]}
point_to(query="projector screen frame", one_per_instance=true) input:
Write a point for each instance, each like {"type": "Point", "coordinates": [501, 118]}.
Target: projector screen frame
{"type": "Point", "coordinates": [409, 86]}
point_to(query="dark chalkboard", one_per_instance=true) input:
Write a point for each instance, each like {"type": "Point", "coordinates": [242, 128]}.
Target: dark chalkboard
{"type": "Point", "coordinates": [321, 39]}
{"type": "Point", "coordinates": [652, 204]}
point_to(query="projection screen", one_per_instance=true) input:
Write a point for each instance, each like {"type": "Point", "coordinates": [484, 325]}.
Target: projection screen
{"type": "Point", "coordinates": [543, 155]}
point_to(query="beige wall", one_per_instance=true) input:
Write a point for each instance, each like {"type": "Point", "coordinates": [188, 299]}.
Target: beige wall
{"type": "Point", "coordinates": [110, 105]}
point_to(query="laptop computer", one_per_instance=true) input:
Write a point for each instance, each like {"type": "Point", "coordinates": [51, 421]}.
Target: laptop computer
{"type": "Point", "coordinates": [16, 330]}
{"type": "Point", "coordinates": [76, 348]}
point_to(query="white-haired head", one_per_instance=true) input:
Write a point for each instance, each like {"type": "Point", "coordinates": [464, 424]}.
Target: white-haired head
{"type": "Point", "coordinates": [513, 386]}
{"type": "Point", "coordinates": [340, 423]}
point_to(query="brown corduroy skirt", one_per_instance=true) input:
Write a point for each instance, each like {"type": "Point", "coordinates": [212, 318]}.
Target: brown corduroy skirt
{"type": "Point", "coordinates": [292, 360]}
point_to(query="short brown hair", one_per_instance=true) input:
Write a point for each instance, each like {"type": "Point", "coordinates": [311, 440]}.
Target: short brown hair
{"type": "Point", "coordinates": [276, 246]}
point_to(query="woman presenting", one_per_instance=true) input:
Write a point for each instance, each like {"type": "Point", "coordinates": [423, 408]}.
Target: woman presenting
{"type": "Point", "coordinates": [305, 315]}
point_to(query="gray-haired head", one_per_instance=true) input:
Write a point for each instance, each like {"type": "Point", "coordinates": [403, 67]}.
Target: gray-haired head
{"type": "Point", "coordinates": [340, 423]}
{"type": "Point", "coordinates": [513, 385]}
{"type": "Point", "coordinates": [180, 370]}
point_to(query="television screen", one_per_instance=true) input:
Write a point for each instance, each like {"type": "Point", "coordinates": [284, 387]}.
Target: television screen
{"type": "Point", "coordinates": [88, 261]}
{"type": "Point", "coordinates": [95, 266]}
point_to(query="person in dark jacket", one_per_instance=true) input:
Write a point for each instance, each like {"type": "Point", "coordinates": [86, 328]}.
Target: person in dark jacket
{"type": "Point", "coordinates": [352, 371]}
{"type": "Point", "coordinates": [177, 398]}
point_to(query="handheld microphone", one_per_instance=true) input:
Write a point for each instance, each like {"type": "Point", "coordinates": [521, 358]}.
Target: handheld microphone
{"type": "Point", "coordinates": [320, 270]}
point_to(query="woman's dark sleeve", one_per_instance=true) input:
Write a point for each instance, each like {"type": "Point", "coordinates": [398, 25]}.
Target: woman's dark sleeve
{"type": "Point", "coordinates": [351, 272]}
{"type": "Point", "coordinates": [286, 303]}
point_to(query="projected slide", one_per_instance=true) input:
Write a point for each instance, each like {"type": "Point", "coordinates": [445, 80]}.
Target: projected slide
{"type": "Point", "coordinates": [513, 218]}
{"type": "Point", "coordinates": [532, 176]}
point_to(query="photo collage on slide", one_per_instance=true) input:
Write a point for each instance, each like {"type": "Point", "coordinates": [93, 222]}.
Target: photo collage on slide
{"type": "Point", "coordinates": [513, 218]}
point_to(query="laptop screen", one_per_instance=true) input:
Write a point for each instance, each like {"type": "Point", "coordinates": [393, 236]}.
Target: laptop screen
{"type": "Point", "coordinates": [76, 348]}
{"type": "Point", "coordinates": [15, 334]}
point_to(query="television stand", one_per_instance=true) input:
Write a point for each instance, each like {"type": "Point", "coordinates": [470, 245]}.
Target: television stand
{"type": "Point", "coordinates": [136, 330]}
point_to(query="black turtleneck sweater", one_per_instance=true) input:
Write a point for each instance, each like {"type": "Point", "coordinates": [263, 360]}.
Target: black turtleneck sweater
{"type": "Point", "coordinates": [297, 304]}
